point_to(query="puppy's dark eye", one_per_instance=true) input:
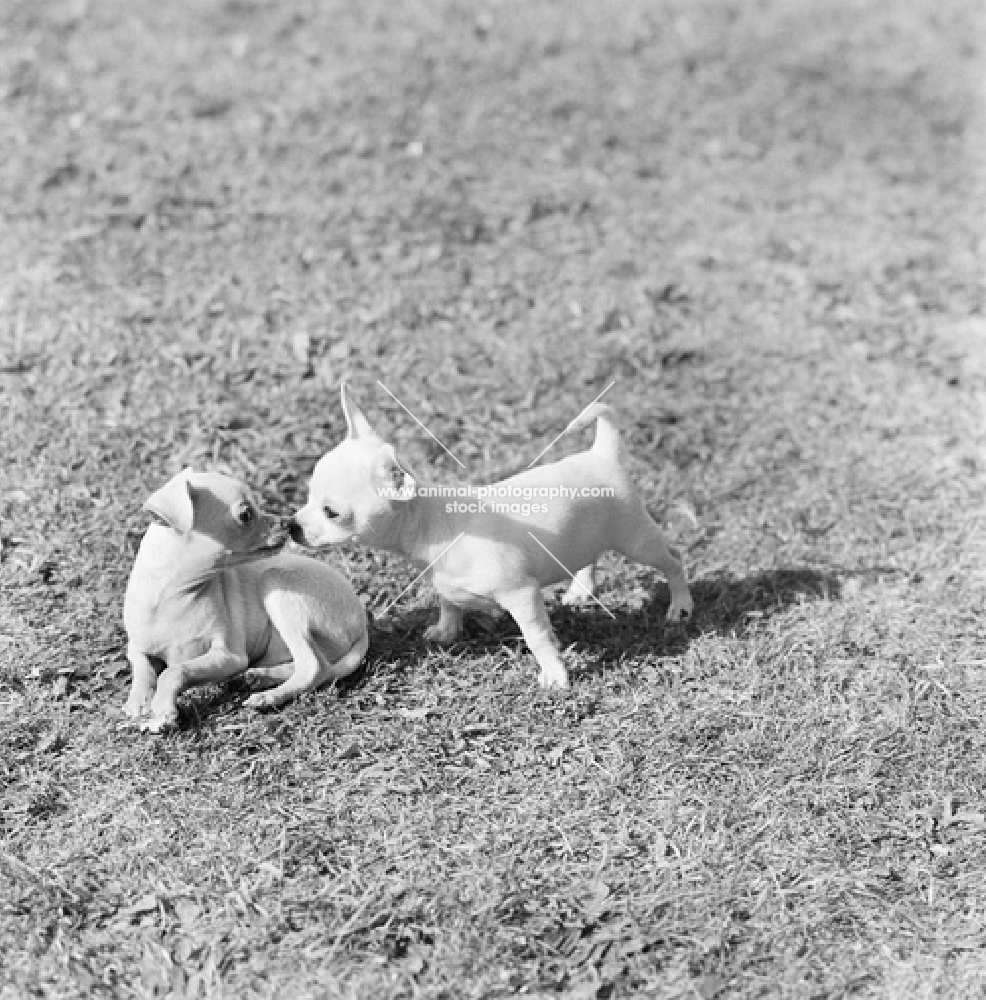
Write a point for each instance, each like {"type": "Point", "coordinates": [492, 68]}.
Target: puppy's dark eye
{"type": "Point", "coordinates": [330, 513]}
{"type": "Point", "coordinates": [245, 516]}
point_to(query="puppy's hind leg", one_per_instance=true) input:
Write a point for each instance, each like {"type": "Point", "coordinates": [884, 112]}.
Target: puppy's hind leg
{"type": "Point", "coordinates": [310, 667]}
{"type": "Point", "coordinates": [273, 668]}
{"type": "Point", "coordinates": [644, 542]}
{"type": "Point", "coordinates": [311, 671]}
{"type": "Point", "coordinates": [307, 672]}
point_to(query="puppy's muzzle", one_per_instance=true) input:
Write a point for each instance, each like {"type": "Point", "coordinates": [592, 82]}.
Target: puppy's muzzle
{"type": "Point", "coordinates": [277, 536]}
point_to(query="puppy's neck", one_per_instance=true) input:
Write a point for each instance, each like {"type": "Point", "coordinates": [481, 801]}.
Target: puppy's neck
{"type": "Point", "coordinates": [417, 531]}
{"type": "Point", "coordinates": [197, 560]}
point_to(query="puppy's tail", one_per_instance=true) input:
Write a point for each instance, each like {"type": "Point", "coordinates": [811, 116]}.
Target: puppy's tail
{"type": "Point", "coordinates": [607, 428]}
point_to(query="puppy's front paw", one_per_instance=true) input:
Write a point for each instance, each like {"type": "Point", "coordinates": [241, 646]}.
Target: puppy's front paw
{"type": "Point", "coordinates": [443, 636]}
{"type": "Point", "coordinates": [159, 723]}
{"type": "Point", "coordinates": [553, 678]}
{"type": "Point", "coordinates": [135, 708]}
{"type": "Point", "coordinates": [681, 608]}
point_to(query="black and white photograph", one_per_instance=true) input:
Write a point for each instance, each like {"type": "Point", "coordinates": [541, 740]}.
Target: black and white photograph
{"type": "Point", "coordinates": [492, 500]}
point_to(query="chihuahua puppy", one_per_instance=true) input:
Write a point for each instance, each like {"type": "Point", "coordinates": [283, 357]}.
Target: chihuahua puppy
{"type": "Point", "coordinates": [481, 555]}
{"type": "Point", "coordinates": [207, 599]}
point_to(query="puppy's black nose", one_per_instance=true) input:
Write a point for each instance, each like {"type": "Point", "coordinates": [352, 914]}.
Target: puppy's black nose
{"type": "Point", "coordinates": [294, 530]}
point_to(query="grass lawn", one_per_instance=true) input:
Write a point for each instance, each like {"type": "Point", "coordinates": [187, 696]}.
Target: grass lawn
{"type": "Point", "coordinates": [765, 222]}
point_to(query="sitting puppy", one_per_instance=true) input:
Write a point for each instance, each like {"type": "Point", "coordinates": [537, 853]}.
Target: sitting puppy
{"type": "Point", "coordinates": [208, 600]}
{"type": "Point", "coordinates": [482, 556]}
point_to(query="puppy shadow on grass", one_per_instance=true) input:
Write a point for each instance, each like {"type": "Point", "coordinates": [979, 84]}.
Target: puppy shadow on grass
{"type": "Point", "coordinates": [724, 604]}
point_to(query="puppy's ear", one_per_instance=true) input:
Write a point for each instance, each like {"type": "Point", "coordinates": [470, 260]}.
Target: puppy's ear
{"type": "Point", "coordinates": [174, 503]}
{"type": "Point", "coordinates": [400, 477]}
{"type": "Point", "coordinates": [357, 426]}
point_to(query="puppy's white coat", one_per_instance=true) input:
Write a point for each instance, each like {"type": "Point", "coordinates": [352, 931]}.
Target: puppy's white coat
{"type": "Point", "coordinates": [208, 600]}
{"type": "Point", "coordinates": [360, 490]}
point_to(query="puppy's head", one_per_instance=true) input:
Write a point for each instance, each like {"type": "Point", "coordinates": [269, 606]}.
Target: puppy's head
{"type": "Point", "coordinates": [357, 489]}
{"type": "Point", "coordinates": [212, 507]}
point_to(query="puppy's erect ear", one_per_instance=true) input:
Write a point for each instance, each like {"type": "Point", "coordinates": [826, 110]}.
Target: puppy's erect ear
{"type": "Point", "coordinates": [401, 478]}
{"type": "Point", "coordinates": [357, 426]}
{"type": "Point", "coordinates": [174, 503]}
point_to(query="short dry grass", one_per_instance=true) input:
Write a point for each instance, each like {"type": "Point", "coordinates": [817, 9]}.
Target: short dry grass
{"type": "Point", "coordinates": [764, 221]}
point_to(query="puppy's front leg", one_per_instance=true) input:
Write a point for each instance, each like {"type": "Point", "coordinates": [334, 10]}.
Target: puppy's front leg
{"type": "Point", "coordinates": [528, 610]}
{"type": "Point", "coordinates": [216, 665]}
{"type": "Point", "coordinates": [143, 680]}
{"type": "Point", "coordinates": [446, 630]}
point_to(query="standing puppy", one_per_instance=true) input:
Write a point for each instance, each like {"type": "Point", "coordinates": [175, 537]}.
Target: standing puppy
{"type": "Point", "coordinates": [208, 600]}
{"type": "Point", "coordinates": [483, 555]}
